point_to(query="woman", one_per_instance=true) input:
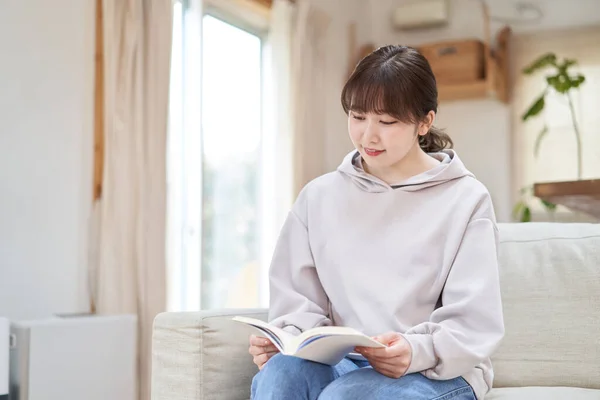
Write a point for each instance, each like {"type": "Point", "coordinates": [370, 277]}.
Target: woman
{"type": "Point", "coordinates": [400, 243]}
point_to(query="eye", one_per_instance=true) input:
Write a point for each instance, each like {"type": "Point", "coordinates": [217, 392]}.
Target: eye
{"type": "Point", "coordinates": [388, 122]}
{"type": "Point", "coordinates": [358, 117]}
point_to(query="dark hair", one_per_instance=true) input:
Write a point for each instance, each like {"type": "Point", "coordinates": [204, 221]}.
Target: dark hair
{"type": "Point", "coordinates": [396, 80]}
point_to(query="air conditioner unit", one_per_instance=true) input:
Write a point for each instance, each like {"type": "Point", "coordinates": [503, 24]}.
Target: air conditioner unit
{"type": "Point", "coordinates": [420, 14]}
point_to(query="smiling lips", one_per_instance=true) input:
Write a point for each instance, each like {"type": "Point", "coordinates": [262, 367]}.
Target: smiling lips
{"type": "Point", "coordinates": [373, 152]}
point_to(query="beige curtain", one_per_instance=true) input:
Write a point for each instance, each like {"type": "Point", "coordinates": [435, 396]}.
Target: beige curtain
{"type": "Point", "coordinates": [308, 92]}
{"type": "Point", "coordinates": [129, 271]}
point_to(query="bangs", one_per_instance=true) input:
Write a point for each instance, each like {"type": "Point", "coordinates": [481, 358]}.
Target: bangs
{"type": "Point", "coordinates": [378, 92]}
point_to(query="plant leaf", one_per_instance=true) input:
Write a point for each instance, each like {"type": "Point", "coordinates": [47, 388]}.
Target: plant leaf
{"type": "Point", "coordinates": [538, 140]}
{"type": "Point", "coordinates": [542, 62]}
{"type": "Point", "coordinates": [518, 210]}
{"type": "Point", "coordinates": [562, 67]}
{"type": "Point", "coordinates": [549, 206]}
{"type": "Point", "coordinates": [535, 108]}
{"type": "Point", "coordinates": [561, 82]}
{"type": "Point", "coordinates": [577, 81]}
{"type": "Point", "coordinates": [526, 216]}
{"type": "Point", "coordinates": [526, 189]}
{"type": "Point", "coordinates": [522, 212]}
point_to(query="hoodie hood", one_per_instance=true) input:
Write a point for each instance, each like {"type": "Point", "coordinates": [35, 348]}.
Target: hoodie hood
{"type": "Point", "coordinates": [450, 168]}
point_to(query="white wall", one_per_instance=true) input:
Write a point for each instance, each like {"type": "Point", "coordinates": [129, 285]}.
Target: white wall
{"type": "Point", "coordinates": [342, 14]}
{"type": "Point", "coordinates": [46, 100]}
{"type": "Point", "coordinates": [480, 128]}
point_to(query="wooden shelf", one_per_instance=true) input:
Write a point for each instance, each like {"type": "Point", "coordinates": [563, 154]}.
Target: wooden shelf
{"type": "Point", "coordinates": [582, 196]}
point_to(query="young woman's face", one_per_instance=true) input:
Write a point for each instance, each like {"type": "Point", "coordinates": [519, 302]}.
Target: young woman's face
{"type": "Point", "coordinates": [381, 139]}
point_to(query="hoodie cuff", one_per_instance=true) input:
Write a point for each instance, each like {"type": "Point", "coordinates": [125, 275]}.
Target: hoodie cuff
{"type": "Point", "coordinates": [423, 355]}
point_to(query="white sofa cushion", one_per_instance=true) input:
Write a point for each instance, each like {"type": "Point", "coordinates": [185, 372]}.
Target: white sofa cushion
{"type": "Point", "coordinates": [543, 393]}
{"type": "Point", "coordinates": [550, 279]}
{"type": "Point", "coordinates": [202, 355]}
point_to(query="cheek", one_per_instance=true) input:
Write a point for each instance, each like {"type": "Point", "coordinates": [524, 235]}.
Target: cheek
{"type": "Point", "coordinates": [397, 138]}
{"type": "Point", "coordinates": [354, 132]}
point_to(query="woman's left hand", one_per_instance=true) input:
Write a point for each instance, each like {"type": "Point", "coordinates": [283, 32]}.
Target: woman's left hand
{"type": "Point", "coordinates": [392, 361]}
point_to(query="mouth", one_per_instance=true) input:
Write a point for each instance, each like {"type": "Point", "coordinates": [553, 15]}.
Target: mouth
{"type": "Point", "coordinates": [373, 152]}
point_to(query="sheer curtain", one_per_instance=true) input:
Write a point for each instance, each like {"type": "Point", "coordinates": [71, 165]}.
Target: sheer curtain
{"type": "Point", "coordinates": [129, 272]}
{"type": "Point", "coordinates": [294, 114]}
{"type": "Point", "coordinates": [278, 134]}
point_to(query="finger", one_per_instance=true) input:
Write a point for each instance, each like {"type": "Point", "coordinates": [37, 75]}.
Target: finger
{"type": "Point", "coordinates": [397, 366]}
{"type": "Point", "coordinates": [261, 359]}
{"type": "Point", "coordinates": [387, 338]}
{"type": "Point", "coordinates": [375, 352]}
{"type": "Point", "coordinates": [268, 357]}
{"type": "Point", "coordinates": [259, 341]}
{"type": "Point", "coordinates": [256, 350]}
{"type": "Point", "coordinates": [379, 367]}
{"type": "Point", "coordinates": [388, 370]}
{"type": "Point", "coordinates": [270, 348]}
{"type": "Point", "coordinates": [399, 349]}
{"type": "Point", "coordinates": [401, 361]}
{"type": "Point", "coordinates": [388, 362]}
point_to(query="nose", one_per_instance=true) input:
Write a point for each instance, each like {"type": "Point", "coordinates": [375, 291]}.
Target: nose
{"type": "Point", "coordinates": [371, 133]}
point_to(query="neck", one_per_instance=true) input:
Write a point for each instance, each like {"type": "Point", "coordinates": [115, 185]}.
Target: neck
{"type": "Point", "coordinates": [415, 162]}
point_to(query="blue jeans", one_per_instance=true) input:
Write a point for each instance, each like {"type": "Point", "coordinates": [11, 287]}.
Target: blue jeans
{"type": "Point", "coordinates": [291, 378]}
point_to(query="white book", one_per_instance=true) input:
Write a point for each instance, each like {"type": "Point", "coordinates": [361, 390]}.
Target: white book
{"type": "Point", "coordinates": [325, 344]}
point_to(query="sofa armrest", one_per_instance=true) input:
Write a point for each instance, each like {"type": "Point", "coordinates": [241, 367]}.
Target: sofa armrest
{"type": "Point", "coordinates": [202, 355]}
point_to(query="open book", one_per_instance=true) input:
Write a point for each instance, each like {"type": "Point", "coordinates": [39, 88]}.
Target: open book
{"type": "Point", "coordinates": [326, 344]}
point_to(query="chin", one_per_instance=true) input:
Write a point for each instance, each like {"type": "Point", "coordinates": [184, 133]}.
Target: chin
{"type": "Point", "coordinates": [383, 160]}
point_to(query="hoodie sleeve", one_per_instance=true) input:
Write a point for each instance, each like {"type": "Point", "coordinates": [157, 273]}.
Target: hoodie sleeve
{"type": "Point", "coordinates": [469, 326]}
{"type": "Point", "coordinates": [298, 301]}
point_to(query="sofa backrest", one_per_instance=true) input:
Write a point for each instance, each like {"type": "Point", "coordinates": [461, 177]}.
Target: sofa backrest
{"type": "Point", "coordinates": [550, 279]}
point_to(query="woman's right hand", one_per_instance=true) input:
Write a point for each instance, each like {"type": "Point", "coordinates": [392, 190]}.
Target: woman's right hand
{"type": "Point", "coordinates": [262, 349]}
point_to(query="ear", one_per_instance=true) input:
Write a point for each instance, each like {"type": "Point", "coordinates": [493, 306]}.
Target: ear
{"type": "Point", "coordinates": [427, 123]}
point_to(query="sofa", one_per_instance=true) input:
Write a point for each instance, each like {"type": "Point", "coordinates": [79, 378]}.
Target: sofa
{"type": "Point", "coordinates": [550, 280]}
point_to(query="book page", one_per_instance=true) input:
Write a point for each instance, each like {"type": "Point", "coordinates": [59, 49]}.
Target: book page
{"type": "Point", "coordinates": [332, 349]}
{"type": "Point", "coordinates": [332, 340]}
{"type": "Point", "coordinates": [333, 331]}
{"type": "Point", "coordinates": [279, 337]}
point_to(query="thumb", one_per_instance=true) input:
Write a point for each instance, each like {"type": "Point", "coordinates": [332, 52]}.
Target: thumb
{"type": "Point", "coordinates": [386, 338]}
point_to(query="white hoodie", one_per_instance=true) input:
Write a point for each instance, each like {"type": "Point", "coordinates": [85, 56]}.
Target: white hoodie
{"type": "Point", "coordinates": [418, 258]}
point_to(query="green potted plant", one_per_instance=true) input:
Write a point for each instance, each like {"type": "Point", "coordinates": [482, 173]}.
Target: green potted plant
{"type": "Point", "coordinates": [562, 81]}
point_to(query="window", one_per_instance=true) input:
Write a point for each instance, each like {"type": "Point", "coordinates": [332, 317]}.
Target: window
{"type": "Point", "coordinates": [231, 135]}
{"type": "Point", "coordinates": [557, 155]}
{"type": "Point", "coordinates": [216, 230]}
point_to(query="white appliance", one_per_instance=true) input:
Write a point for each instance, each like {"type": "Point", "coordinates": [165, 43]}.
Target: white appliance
{"type": "Point", "coordinates": [4, 345]}
{"type": "Point", "coordinates": [420, 14]}
{"type": "Point", "coordinates": [73, 358]}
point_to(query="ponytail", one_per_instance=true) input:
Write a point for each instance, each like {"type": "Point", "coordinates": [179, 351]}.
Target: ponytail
{"type": "Point", "coordinates": [435, 141]}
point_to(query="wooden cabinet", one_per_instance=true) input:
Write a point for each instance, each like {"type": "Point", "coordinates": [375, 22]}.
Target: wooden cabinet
{"type": "Point", "coordinates": [456, 62]}
{"type": "Point", "coordinates": [472, 69]}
